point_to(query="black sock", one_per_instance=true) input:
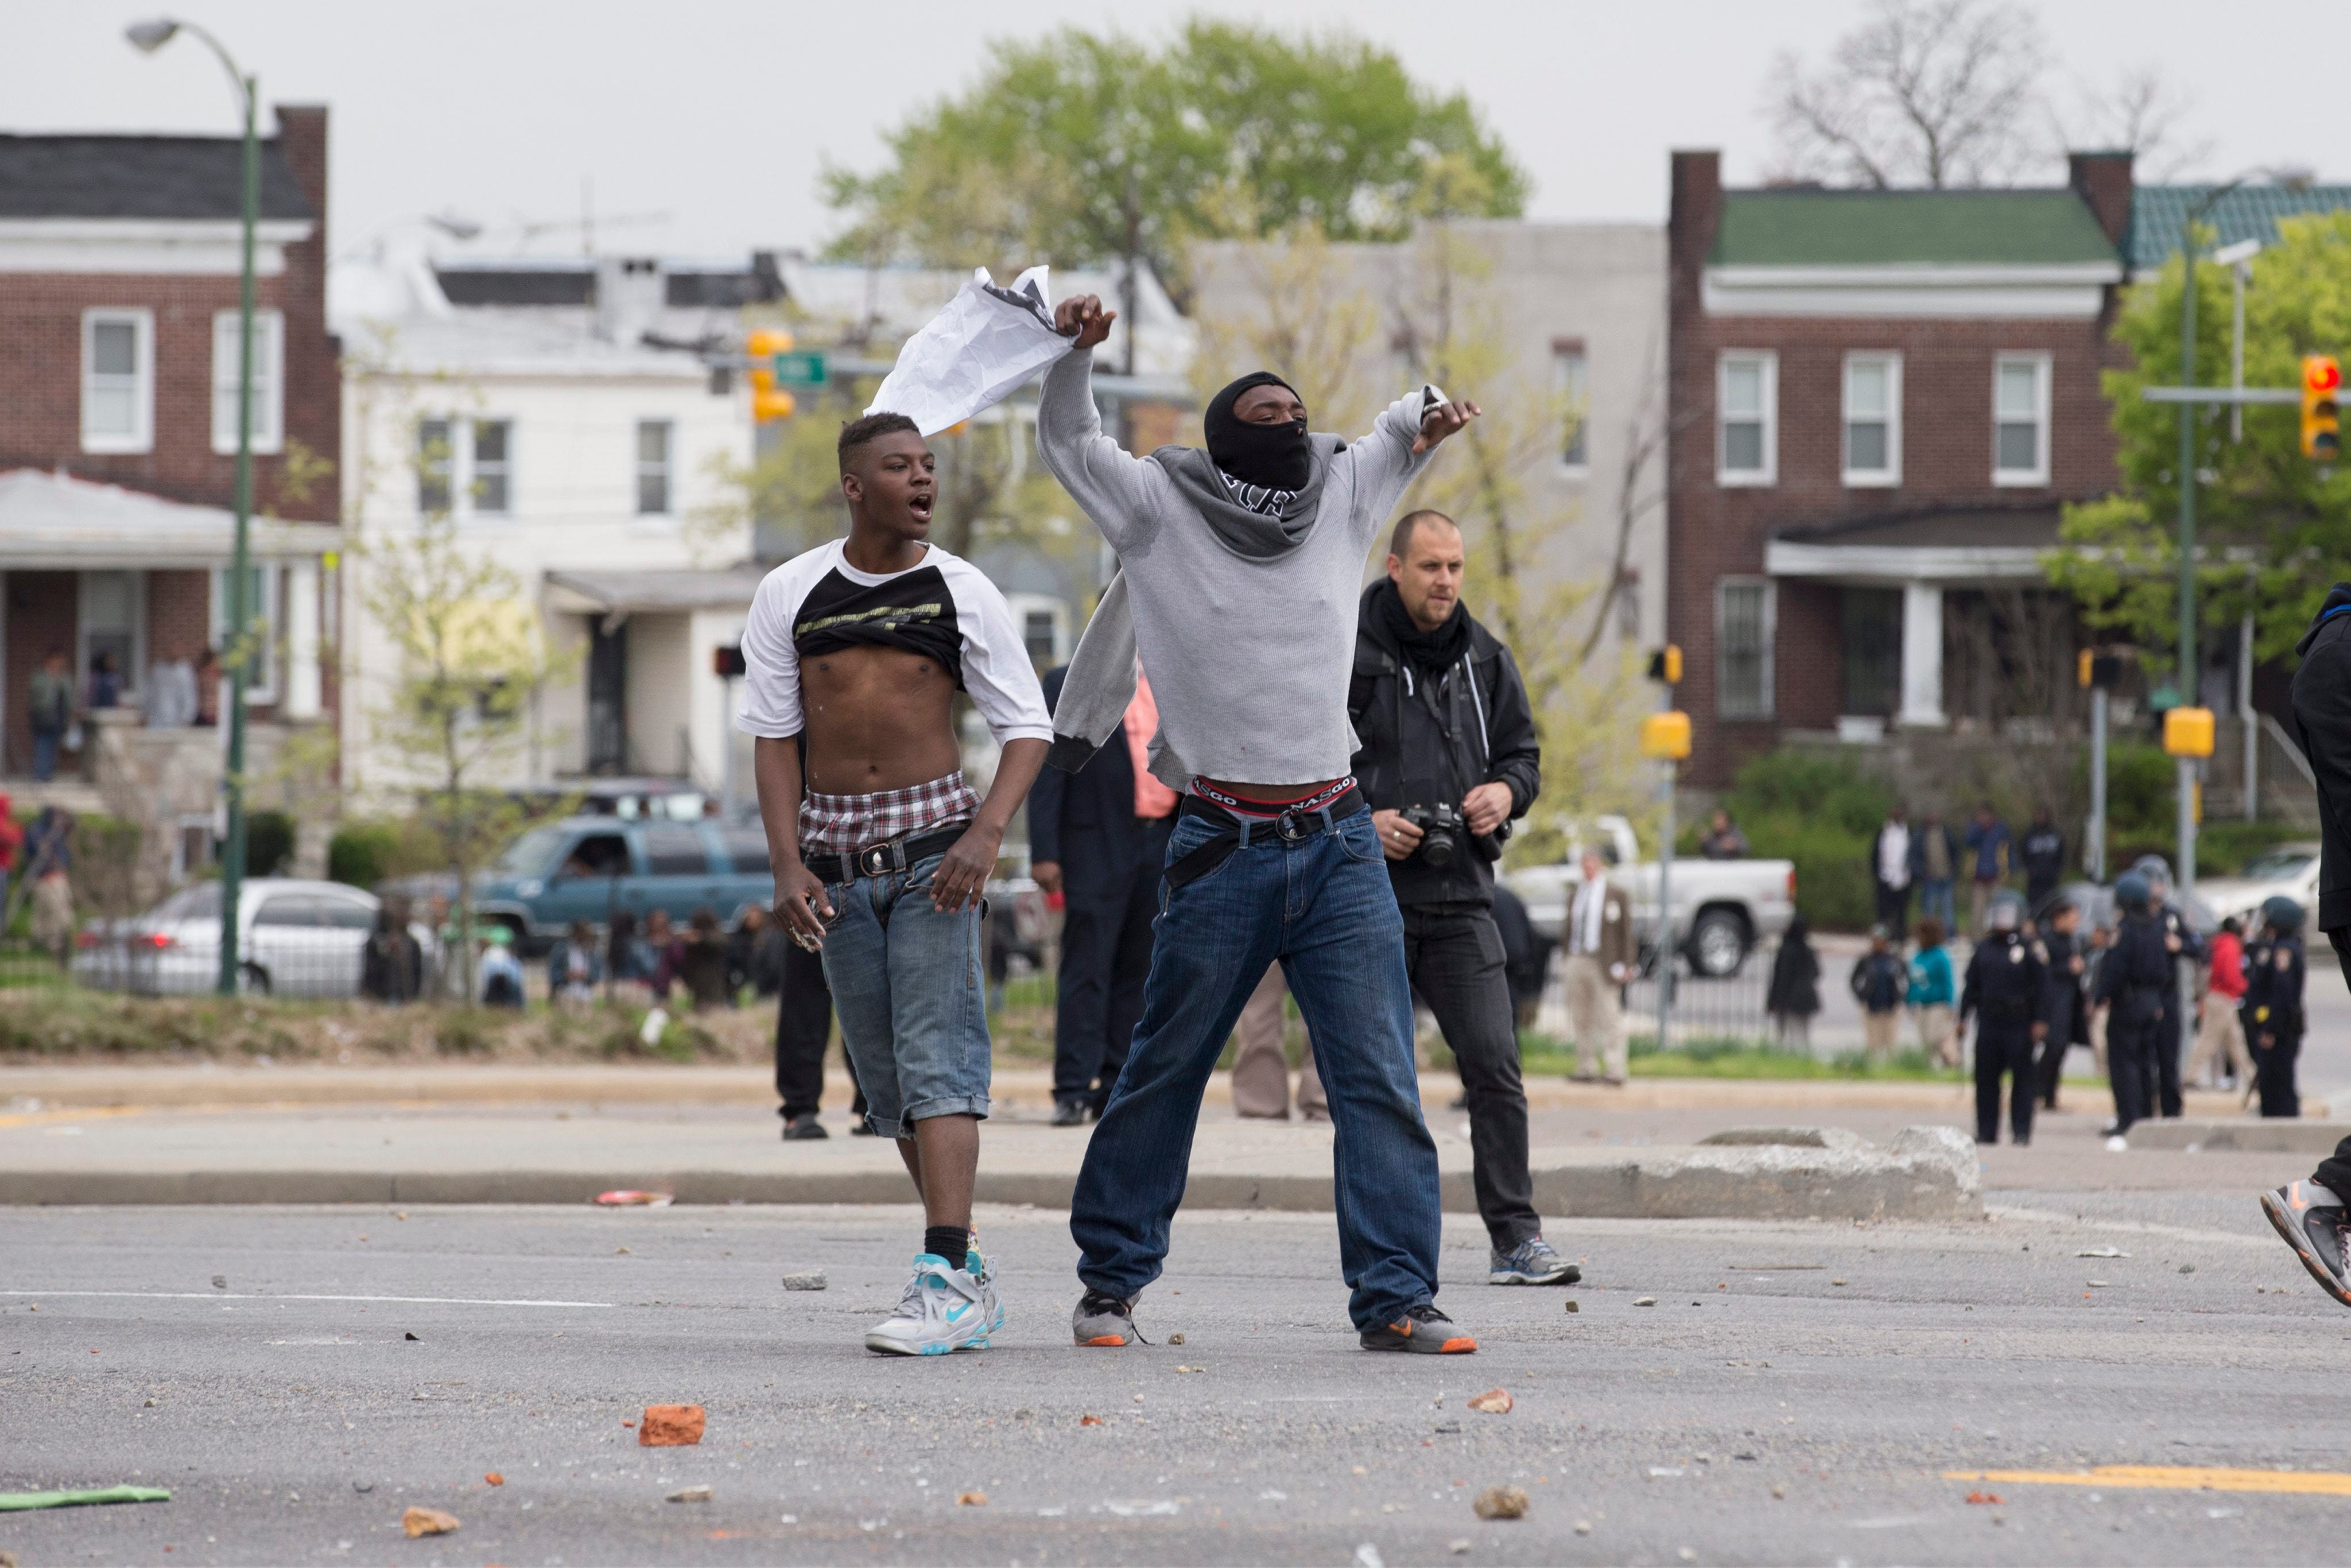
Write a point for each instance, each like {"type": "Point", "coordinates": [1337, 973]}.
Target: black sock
{"type": "Point", "coordinates": [948, 1241]}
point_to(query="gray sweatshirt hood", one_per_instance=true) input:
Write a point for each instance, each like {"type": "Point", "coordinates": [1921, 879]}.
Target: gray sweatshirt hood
{"type": "Point", "coordinates": [1254, 534]}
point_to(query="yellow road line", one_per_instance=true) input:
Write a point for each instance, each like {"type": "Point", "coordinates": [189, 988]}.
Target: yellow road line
{"type": "Point", "coordinates": [2170, 1477]}
{"type": "Point", "coordinates": [82, 1114]}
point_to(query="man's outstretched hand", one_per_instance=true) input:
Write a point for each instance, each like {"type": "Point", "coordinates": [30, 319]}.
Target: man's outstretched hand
{"type": "Point", "coordinates": [1445, 419]}
{"type": "Point", "coordinates": [1082, 316]}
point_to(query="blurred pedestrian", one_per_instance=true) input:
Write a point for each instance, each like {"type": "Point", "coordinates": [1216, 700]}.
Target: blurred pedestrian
{"type": "Point", "coordinates": [2311, 1215]}
{"type": "Point", "coordinates": [169, 696]}
{"type": "Point", "coordinates": [2132, 980]}
{"type": "Point", "coordinates": [1722, 840]}
{"type": "Point", "coordinates": [1260, 1079]}
{"type": "Point", "coordinates": [12, 842]}
{"type": "Point", "coordinates": [49, 710]}
{"type": "Point", "coordinates": [2043, 851]}
{"type": "Point", "coordinates": [1526, 956]}
{"type": "Point", "coordinates": [104, 687]}
{"type": "Point", "coordinates": [803, 1030]}
{"type": "Point", "coordinates": [1891, 868]}
{"type": "Point", "coordinates": [1098, 838]}
{"type": "Point", "coordinates": [1935, 863]}
{"type": "Point", "coordinates": [208, 687]}
{"type": "Point", "coordinates": [1794, 994]}
{"type": "Point", "coordinates": [628, 957]}
{"type": "Point", "coordinates": [1601, 961]}
{"type": "Point", "coordinates": [701, 963]}
{"type": "Point", "coordinates": [2004, 994]}
{"type": "Point", "coordinates": [500, 972]}
{"type": "Point", "coordinates": [2220, 1033]}
{"type": "Point", "coordinates": [754, 952]}
{"type": "Point", "coordinates": [1879, 982]}
{"type": "Point", "coordinates": [1989, 846]}
{"type": "Point", "coordinates": [392, 965]}
{"type": "Point", "coordinates": [573, 969]}
{"type": "Point", "coordinates": [2187, 950]}
{"type": "Point", "coordinates": [2061, 995]}
{"type": "Point", "coordinates": [668, 949]}
{"type": "Point", "coordinates": [2273, 1015]}
{"type": "Point", "coordinates": [1932, 993]}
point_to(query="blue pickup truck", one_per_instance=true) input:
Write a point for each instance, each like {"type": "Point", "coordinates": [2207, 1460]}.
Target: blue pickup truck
{"type": "Point", "coordinates": [585, 868]}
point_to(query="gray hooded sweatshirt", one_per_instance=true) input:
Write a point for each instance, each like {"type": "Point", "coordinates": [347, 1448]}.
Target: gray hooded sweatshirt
{"type": "Point", "coordinates": [1244, 623]}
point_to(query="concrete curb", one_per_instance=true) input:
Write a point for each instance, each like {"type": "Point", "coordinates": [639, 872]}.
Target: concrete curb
{"type": "Point", "coordinates": [1926, 1173]}
{"type": "Point", "coordinates": [2267, 1135]}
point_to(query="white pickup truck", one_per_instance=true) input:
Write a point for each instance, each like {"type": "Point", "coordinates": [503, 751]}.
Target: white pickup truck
{"type": "Point", "coordinates": [1721, 908]}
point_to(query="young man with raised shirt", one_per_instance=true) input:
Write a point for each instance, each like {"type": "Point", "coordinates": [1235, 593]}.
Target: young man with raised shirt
{"type": "Point", "coordinates": [880, 849]}
{"type": "Point", "coordinates": [1240, 568]}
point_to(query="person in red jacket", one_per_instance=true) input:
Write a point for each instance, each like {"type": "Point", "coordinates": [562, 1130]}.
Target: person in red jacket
{"type": "Point", "coordinates": [2218, 1034]}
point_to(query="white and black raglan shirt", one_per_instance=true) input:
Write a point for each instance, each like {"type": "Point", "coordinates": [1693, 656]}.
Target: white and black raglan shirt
{"type": "Point", "coordinates": [943, 608]}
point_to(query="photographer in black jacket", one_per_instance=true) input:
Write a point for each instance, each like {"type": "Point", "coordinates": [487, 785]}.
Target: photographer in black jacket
{"type": "Point", "coordinates": [1449, 758]}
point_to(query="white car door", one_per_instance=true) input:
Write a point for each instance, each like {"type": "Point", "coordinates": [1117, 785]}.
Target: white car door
{"type": "Point", "coordinates": [346, 922]}
{"type": "Point", "coordinates": [287, 944]}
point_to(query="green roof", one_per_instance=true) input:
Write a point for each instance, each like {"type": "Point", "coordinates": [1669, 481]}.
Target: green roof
{"type": "Point", "coordinates": [2249, 211]}
{"type": "Point", "coordinates": [1880, 228]}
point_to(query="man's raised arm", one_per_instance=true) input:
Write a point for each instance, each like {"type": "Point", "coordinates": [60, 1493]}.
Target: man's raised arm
{"type": "Point", "coordinates": [1108, 483]}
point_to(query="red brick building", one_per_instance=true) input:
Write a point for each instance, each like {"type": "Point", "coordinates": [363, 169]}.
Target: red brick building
{"type": "Point", "coordinates": [1883, 398]}
{"type": "Point", "coordinates": [120, 259]}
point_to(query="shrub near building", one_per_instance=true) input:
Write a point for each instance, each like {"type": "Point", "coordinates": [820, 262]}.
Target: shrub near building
{"type": "Point", "coordinates": [1821, 812]}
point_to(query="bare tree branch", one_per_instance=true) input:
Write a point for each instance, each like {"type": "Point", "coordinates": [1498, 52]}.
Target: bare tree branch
{"type": "Point", "coordinates": [1932, 93]}
{"type": "Point", "coordinates": [2143, 113]}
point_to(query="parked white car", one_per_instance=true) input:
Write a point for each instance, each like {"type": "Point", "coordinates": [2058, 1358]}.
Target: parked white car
{"type": "Point", "coordinates": [1721, 908]}
{"type": "Point", "coordinates": [2288, 869]}
{"type": "Point", "coordinates": [296, 939]}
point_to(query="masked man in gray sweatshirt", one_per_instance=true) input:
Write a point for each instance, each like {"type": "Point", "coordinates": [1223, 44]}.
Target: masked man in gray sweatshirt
{"type": "Point", "coordinates": [1240, 568]}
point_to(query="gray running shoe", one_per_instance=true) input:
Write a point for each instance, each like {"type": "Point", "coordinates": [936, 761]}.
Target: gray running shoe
{"type": "Point", "coordinates": [1104, 1320]}
{"type": "Point", "coordinates": [944, 1310]}
{"type": "Point", "coordinates": [1531, 1262]}
{"type": "Point", "coordinates": [2315, 1228]}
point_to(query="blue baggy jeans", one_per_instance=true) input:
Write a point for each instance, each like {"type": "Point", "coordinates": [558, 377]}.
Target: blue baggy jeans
{"type": "Point", "coordinates": [1324, 907]}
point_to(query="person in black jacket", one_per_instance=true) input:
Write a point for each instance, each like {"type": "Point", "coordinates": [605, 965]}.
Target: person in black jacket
{"type": "Point", "coordinates": [1794, 994]}
{"type": "Point", "coordinates": [2043, 852]}
{"type": "Point", "coordinates": [2312, 1215]}
{"type": "Point", "coordinates": [2272, 1005]}
{"type": "Point", "coordinates": [1448, 760]}
{"type": "Point", "coordinates": [2061, 995]}
{"type": "Point", "coordinates": [2187, 950]}
{"type": "Point", "coordinates": [2003, 993]}
{"type": "Point", "coordinates": [2132, 980]}
{"type": "Point", "coordinates": [1098, 836]}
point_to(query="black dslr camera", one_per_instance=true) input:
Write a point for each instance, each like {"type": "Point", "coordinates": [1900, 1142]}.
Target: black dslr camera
{"type": "Point", "coordinates": [1442, 831]}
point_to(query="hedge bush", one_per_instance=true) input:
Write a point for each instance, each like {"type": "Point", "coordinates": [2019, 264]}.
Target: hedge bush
{"type": "Point", "coordinates": [361, 853]}
{"type": "Point", "coordinates": [1820, 811]}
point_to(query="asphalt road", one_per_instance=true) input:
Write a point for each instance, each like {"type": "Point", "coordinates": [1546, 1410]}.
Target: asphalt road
{"type": "Point", "coordinates": [1796, 1393]}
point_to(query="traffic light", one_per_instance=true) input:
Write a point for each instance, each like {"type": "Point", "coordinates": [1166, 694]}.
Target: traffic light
{"type": "Point", "coordinates": [2097, 670]}
{"type": "Point", "coordinates": [2322, 383]}
{"type": "Point", "coordinates": [1666, 665]}
{"type": "Point", "coordinates": [1666, 736]}
{"type": "Point", "coordinates": [768, 401]}
{"type": "Point", "coordinates": [727, 661]}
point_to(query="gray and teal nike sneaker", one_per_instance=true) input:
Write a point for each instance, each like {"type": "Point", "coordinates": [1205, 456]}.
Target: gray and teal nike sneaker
{"type": "Point", "coordinates": [1531, 1262]}
{"type": "Point", "coordinates": [2313, 1222]}
{"type": "Point", "coordinates": [945, 1309]}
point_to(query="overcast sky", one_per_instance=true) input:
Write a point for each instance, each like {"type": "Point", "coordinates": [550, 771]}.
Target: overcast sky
{"type": "Point", "coordinates": [718, 113]}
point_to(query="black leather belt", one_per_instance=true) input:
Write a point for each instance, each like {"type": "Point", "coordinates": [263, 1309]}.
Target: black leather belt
{"type": "Point", "coordinates": [879, 860]}
{"type": "Point", "coordinates": [1291, 824]}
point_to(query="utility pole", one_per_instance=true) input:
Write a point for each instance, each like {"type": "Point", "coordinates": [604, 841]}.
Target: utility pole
{"type": "Point", "coordinates": [2188, 682]}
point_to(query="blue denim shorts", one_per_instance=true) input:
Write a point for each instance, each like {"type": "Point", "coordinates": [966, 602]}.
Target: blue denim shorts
{"type": "Point", "coordinates": [909, 985]}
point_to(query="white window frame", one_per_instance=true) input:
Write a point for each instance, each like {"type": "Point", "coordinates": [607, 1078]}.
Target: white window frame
{"type": "Point", "coordinates": [465, 467]}
{"type": "Point", "coordinates": [640, 468]}
{"type": "Point", "coordinates": [269, 381]}
{"type": "Point", "coordinates": [261, 678]}
{"type": "Point", "coordinates": [1891, 473]}
{"type": "Point", "coordinates": [1577, 388]}
{"type": "Point", "coordinates": [1768, 705]}
{"type": "Point", "coordinates": [2044, 374]}
{"type": "Point", "coordinates": [474, 507]}
{"type": "Point", "coordinates": [1768, 413]}
{"type": "Point", "coordinates": [141, 436]}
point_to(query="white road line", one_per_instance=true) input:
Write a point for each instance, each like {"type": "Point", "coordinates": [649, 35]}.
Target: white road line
{"type": "Point", "coordinates": [2138, 1227]}
{"type": "Point", "coordinates": [233, 1296]}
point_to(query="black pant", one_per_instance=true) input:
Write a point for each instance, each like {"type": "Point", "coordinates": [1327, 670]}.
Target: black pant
{"type": "Point", "coordinates": [2131, 1067]}
{"type": "Point", "coordinates": [2167, 1049]}
{"type": "Point", "coordinates": [2335, 1171]}
{"type": "Point", "coordinates": [2060, 1040]}
{"type": "Point", "coordinates": [2273, 1075]}
{"type": "Point", "coordinates": [2004, 1048]}
{"type": "Point", "coordinates": [1453, 953]}
{"type": "Point", "coordinates": [1110, 894]}
{"type": "Point", "coordinates": [1893, 910]}
{"type": "Point", "coordinates": [803, 1026]}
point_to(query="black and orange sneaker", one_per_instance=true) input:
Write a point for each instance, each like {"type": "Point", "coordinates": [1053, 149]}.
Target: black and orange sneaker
{"type": "Point", "coordinates": [1423, 1330]}
{"type": "Point", "coordinates": [2313, 1223]}
{"type": "Point", "coordinates": [1104, 1321]}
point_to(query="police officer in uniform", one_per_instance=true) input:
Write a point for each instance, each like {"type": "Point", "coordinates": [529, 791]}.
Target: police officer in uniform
{"type": "Point", "coordinates": [2132, 980]}
{"type": "Point", "coordinates": [2005, 980]}
{"type": "Point", "coordinates": [2187, 950]}
{"type": "Point", "coordinates": [2061, 994]}
{"type": "Point", "coordinates": [2272, 1005]}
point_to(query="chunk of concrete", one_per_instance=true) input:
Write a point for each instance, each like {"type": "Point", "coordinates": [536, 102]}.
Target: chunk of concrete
{"type": "Point", "coordinates": [2258, 1134]}
{"type": "Point", "coordinates": [1925, 1172]}
{"type": "Point", "coordinates": [1785, 1138]}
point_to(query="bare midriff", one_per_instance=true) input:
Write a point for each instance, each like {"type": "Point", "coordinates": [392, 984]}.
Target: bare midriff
{"type": "Point", "coordinates": [1270, 794]}
{"type": "Point", "coordinates": [878, 718]}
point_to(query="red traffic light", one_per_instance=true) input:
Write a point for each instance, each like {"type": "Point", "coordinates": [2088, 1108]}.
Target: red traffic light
{"type": "Point", "coordinates": [2321, 373]}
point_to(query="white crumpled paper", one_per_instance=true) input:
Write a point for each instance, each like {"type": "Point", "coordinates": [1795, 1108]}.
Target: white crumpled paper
{"type": "Point", "coordinates": [986, 343]}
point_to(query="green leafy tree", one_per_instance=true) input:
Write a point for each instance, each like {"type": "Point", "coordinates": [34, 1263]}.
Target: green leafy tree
{"type": "Point", "coordinates": [1083, 147]}
{"type": "Point", "coordinates": [2274, 529]}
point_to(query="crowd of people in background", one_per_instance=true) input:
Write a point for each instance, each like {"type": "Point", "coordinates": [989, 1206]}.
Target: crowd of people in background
{"type": "Point", "coordinates": [182, 691]}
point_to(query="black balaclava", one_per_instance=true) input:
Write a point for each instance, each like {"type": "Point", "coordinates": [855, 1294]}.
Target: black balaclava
{"type": "Point", "coordinates": [1270, 457]}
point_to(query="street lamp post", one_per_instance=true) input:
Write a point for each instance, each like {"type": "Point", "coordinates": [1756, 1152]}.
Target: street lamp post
{"type": "Point", "coordinates": [149, 36]}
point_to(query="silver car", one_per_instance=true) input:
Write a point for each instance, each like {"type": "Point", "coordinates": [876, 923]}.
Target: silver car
{"type": "Point", "coordinates": [296, 938]}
